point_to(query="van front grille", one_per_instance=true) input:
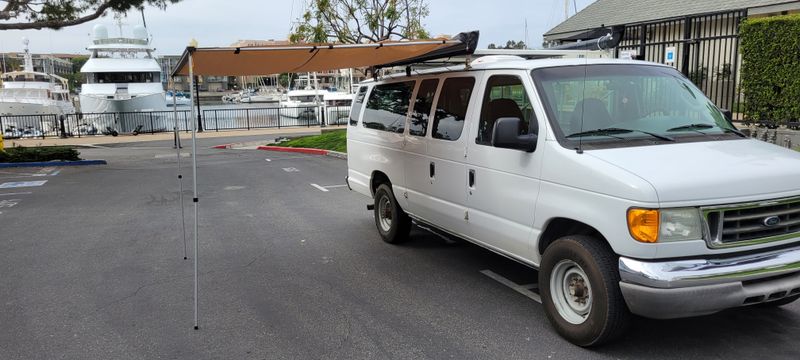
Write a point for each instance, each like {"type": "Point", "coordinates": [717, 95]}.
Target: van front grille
{"type": "Point", "coordinates": [748, 224]}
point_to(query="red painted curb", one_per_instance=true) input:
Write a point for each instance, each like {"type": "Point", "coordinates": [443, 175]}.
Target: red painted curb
{"type": "Point", "coordinates": [225, 146]}
{"type": "Point", "coordinates": [294, 150]}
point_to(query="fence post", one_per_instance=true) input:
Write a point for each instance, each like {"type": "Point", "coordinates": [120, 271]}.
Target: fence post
{"type": "Point", "coordinates": [247, 116]}
{"type": "Point", "coordinates": [61, 126]}
{"type": "Point", "coordinates": [279, 118]}
{"type": "Point", "coordinates": [216, 120]}
{"type": "Point", "coordinates": [41, 124]}
{"type": "Point", "coordinates": [152, 130]}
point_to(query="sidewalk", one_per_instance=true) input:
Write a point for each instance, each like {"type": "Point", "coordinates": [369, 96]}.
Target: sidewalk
{"type": "Point", "coordinates": [104, 139]}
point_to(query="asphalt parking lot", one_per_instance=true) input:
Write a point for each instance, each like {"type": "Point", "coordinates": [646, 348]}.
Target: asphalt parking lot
{"type": "Point", "coordinates": [92, 268]}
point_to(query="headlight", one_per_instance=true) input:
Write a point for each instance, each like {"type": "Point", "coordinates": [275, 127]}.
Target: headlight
{"type": "Point", "coordinates": [665, 225]}
{"type": "Point", "coordinates": [680, 224]}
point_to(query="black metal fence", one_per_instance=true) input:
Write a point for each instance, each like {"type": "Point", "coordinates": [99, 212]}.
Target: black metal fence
{"type": "Point", "coordinates": [705, 48]}
{"type": "Point", "coordinates": [151, 122]}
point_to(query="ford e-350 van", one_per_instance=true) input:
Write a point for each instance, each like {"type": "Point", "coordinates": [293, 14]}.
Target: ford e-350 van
{"type": "Point", "coordinates": [619, 181]}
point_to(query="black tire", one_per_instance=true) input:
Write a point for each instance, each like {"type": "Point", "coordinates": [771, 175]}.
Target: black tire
{"type": "Point", "coordinates": [399, 223]}
{"type": "Point", "coordinates": [607, 316]}
{"type": "Point", "coordinates": [777, 303]}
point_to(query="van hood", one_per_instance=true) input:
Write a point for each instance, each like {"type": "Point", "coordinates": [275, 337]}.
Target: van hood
{"type": "Point", "coordinates": [710, 170]}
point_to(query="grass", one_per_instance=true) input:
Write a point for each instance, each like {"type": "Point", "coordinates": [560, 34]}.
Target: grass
{"type": "Point", "coordinates": [335, 140]}
{"type": "Point", "coordinates": [37, 154]}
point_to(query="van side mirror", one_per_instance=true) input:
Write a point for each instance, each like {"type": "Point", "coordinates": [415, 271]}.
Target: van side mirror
{"type": "Point", "coordinates": [506, 135]}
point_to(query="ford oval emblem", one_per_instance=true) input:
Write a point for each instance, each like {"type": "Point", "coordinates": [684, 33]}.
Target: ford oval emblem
{"type": "Point", "coordinates": [771, 221]}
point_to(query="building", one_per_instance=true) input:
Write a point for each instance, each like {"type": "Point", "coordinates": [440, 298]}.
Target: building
{"type": "Point", "coordinates": [699, 38]}
{"type": "Point", "coordinates": [46, 63]}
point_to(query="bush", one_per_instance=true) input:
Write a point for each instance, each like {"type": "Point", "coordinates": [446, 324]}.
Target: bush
{"type": "Point", "coordinates": [335, 140]}
{"type": "Point", "coordinates": [37, 154]}
{"type": "Point", "coordinates": [770, 68]}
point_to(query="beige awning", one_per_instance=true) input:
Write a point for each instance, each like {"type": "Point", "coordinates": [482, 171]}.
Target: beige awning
{"type": "Point", "coordinates": [268, 60]}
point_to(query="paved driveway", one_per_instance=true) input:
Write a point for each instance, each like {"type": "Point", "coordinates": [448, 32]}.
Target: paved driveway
{"type": "Point", "coordinates": [92, 268]}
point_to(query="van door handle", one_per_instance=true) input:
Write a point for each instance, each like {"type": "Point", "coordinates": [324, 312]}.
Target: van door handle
{"type": "Point", "coordinates": [472, 178]}
{"type": "Point", "coordinates": [432, 169]}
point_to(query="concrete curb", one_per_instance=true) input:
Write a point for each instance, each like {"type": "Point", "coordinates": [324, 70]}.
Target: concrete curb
{"type": "Point", "coordinates": [53, 163]}
{"type": "Point", "coordinates": [294, 150]}
{"type": "Point", "coordinates": [310, 151]}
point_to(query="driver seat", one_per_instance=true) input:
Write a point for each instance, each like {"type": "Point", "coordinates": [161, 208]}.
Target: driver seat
{"type": "Point", "coordinates": [597, 116]}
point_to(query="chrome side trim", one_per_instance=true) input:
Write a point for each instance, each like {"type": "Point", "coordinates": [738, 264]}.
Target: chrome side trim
{"type": "Point", "coordinates": [696, 272]}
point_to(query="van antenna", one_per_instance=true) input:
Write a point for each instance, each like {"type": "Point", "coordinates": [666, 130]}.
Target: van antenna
{"type": "Point", "coordinates": [468, 62]}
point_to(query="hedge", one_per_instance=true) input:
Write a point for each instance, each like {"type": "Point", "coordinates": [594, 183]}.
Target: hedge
{"type": "Point", "coordinates": [37, 154]}
{"type": "Point", "coordinates": [771, 68]}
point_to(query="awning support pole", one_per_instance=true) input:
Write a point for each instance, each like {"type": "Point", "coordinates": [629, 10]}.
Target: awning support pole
{"type": "Point", "coordinates": [180, 175]}
{"type": "Point", "coordinates": [194, 188]}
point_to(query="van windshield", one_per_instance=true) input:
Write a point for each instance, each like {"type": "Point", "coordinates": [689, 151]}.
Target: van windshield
{"type": "Point", "coordinates": [614, 105]}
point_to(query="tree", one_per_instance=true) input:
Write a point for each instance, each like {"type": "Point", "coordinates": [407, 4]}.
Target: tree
{"type": "Point", "coordinates": [56, 14]}
{"type": "Point", "coordinates": [76, 78]}
{"type": "Point", "coordinates": [510, 44]}
{"type": "Point", "coordinates": [360, 21]}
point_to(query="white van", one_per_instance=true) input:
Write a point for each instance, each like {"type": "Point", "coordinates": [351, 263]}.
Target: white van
{"type": "Point", "coordinates": [619, 181]}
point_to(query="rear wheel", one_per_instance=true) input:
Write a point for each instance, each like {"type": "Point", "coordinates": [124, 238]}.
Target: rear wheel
{"type": "Point", "coordinates": [393, 223]}
{"type": "Point", "coordinates": [579, 282]}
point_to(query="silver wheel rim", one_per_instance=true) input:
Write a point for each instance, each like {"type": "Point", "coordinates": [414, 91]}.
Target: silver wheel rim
{"type": "Point", "coordinates": [385, 213]}
{"type": "Point", "coordinates": [571, 292]}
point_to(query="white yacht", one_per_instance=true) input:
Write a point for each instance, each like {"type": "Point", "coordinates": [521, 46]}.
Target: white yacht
{"type": "Point", "coordinates": [337, 107]}
{"type": "Point", "coordinates": [122, 75]}
{"type": "Point", "coordinates": [301, 103]}
{"type": "Point", "coordinates": [28, 92]}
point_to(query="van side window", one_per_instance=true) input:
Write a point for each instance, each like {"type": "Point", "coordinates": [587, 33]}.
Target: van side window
{"type": "Point", "coordinates": [505, 96]}
{"type": "Point", "coordinates": [422, 107]}
{"type": "Point", "coordinates": [451, 109]}
{"type": "Point", "coordinates": [355, 110]}
{"type": "Point", "coordinates": [387, 106]}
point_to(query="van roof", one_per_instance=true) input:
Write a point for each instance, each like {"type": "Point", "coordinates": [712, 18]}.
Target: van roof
{"type": "Point", "coordinates": [513, 64]}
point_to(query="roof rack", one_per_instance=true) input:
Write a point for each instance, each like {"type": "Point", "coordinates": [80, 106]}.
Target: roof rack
{"type": "Point", "coordinates": [527, 54]}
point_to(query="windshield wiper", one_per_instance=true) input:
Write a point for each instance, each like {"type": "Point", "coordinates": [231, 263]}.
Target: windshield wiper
{"type": "Point", "coordinates": [611, 131]}
{"type": "Point", "coordinates": [696, 128]}
{"type": "Point", "coordinates": [692, 127]}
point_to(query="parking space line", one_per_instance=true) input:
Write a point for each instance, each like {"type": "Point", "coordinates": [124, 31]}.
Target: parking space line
{"type": "Point", "coordinates": [320, 188]}
{"type": "Point", "coordinates": [19, 184]}
{"type": "Point", "coordinates": [522, 289]}
{"type": "Point", "coordinates": [17, 193]}
{"type": "Point", "coordinates": [334, 186]}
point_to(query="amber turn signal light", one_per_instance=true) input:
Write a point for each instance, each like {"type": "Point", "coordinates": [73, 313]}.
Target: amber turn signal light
{"type": "Point", "coordinates": [643, 224]}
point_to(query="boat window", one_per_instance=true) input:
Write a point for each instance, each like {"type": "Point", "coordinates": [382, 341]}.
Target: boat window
{"type": "Point", "coordinates": [387, 106]}
{"type": "Point", "coordinates": [422, 107]}
{"type": "Point", "coordinates": [505, 96]}
{"type": "Point", "coordinates": [451, 109]}
{"type": "Point", "coordinates": [355, 110]}
{"type": "Point", "coordinates": [126, 77]}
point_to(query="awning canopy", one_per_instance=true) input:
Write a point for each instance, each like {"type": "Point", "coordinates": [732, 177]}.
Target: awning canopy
{"type": "Point", "coordinates": [268, 60]}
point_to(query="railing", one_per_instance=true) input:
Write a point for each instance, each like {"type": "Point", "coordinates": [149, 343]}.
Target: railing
{"type": "Point", "coordinates": [274, 117]}
{"type": "Point", "coordinates": [151, 122]}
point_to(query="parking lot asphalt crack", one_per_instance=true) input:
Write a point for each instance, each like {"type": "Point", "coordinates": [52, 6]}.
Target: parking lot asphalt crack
{"type": "Point", "coordinates": [136, 292]}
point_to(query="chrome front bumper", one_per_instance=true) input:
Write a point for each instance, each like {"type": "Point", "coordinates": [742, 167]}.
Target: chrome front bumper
{"type": "Point", "coordinates": [681, 288]}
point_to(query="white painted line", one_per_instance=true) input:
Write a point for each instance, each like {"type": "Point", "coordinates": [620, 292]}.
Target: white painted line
{"type": "Point", "coordinates": [518, 288]}
{"type": "Point", "coordinates": [320, 188]}
{"type": "Point", "coordinates": [9, 203]}
{"type": "Point", "coordinates": [19, 184]}
{"type": "Point", "coordinates": [19, 193]}
{"type": "Point", "coordinates": [268, 160]}
{"type": "Point", "coordinates": [162, 156]}
{"type": "Point", "coordinates": [55, 173]}
{"type": "Point", "coordinates": [291, 169]}
{"type": "Point", "coordinates": [334, 186]}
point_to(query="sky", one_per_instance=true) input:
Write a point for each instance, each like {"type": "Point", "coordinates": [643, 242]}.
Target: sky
{"type": "Point", "coordinates": [221, 23]}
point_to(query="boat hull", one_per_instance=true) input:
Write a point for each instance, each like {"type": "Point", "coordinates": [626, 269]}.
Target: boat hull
{"type": "Point", "coordinates": [12, 108]}
{"type": "Point", "coordinates": [101, 104]}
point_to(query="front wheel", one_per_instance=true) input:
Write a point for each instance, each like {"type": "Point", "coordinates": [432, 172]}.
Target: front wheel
{"type": "Point", "coordinates": [579, 282]}
{"type": "Point", "coordinates": [393, 223]}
